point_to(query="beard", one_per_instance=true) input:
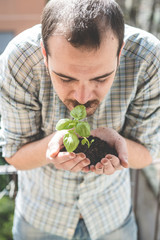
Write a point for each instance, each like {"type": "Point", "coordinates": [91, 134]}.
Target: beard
{"type": "Point", "coordinates": [91, 106]}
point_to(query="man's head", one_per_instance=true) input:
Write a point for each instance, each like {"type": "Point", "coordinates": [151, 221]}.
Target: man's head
{"type": "Point", "coordinates": [82, 41]}
{"type": "Point", "coordinates": [82, 22]}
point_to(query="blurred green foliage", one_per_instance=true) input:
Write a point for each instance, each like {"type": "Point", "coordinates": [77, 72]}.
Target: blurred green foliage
{"type": "Point", "coordinates": [6, 208]}
{"type": "Point", "coordinates": [3, 178]}
{"type": "Point", "coordinates": [6, 218]}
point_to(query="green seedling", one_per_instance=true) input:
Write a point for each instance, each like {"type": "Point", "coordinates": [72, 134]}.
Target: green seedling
{"type": "Point", "coordinates": [76, 127]}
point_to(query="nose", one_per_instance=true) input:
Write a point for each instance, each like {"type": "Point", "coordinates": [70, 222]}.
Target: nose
{"type": "Point", "coordinates": [82, 94]}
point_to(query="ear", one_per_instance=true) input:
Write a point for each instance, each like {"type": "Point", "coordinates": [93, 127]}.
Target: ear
{"type": "Point", "coordinates": [120, 53]}
{"type": "Point", "coordinates": [121, 50]}
{"type": "Point", "coordinates": [44, 54]}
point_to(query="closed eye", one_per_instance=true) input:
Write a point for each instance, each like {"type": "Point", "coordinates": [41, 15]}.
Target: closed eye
{"type": "Point", "coordinates": [67, 80]}
{"type": "Point", "coordinates": [73, 80]}
{"type": "Point", "coordinates": [99, 80]}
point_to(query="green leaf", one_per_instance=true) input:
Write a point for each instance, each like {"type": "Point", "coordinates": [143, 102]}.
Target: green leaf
{"type": "Point", "coordinates": [70, 141]}
{"type": "Point", "coordinates": [83, 129]}
{"type": "Point", "coordinates": [79, 112]}
{"type": "Point", "coordinates": [84, 141]}
{"type": "Point", "coordinates": [65, 124]}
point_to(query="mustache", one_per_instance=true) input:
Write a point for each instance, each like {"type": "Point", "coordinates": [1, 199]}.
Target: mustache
{"type": "Point", "coordinates": [88, 104]}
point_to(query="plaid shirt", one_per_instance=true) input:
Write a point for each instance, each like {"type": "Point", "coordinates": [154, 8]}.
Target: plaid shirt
{"type": "Point", "coordinates": [50, 199]}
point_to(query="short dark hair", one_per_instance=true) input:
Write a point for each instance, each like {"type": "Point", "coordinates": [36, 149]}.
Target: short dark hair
{"type": "Point", "coordinates": [82, 22]}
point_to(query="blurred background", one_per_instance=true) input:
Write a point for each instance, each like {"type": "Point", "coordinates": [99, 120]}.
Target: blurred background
{"type": "Point", "coordinates": [18, 15]}
{"type": "Point", "coordinates": [142, 14]}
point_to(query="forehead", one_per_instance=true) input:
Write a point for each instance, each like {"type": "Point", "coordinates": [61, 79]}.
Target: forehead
{"type": "Point", "coordinates": [63, 53]}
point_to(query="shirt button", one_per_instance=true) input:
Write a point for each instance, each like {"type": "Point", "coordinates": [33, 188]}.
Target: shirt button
{"type": "Point", "coordinates": [70, 231]}
{"type": "Point", "coordinates": [80, 201]}
{"type": "Point", "coordinates": [82, 185]}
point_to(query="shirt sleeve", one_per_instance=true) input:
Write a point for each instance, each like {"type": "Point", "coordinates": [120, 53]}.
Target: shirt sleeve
{"type": "Point", "coordinates": [20, 108]}
{"type": "Point", "coordinates": [142, 123]}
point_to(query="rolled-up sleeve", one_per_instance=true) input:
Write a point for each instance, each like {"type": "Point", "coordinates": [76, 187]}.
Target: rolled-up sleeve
{"type": "Point", "coordinates": [20, 109]}
{"type": "Point", "coordinates": [142, 122]}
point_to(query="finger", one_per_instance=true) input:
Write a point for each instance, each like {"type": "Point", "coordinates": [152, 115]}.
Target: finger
{"type": "Point", "coordinates": [124, 162]}
{"type": "Point", "coordinates": [121, 148]}
{"type": "Point", "coordinates": [108, 167]}
{"type": "Point", "coordinates": [81, 165]}
{"type": "Point", "coordinates": [48, 155]}
{"type": "Point", "coordinates": [56, 143]}
{"type": "Point", "coordinates": [70, 164]}
{"type": "Point", "coordinates": [92, 168]}
{"type": "Point", "coordinates": [53, 151]}
{"type": "Point", "coordinates": [77, 165]}
{"type": "Point", "coordinates": [63, 157]}
{"type": "Point", "coordinates": [98, 168]}
{"type": "Point", "coordinates": [114, 161]}
{"type": "Point", "coordinates": [86, 169]}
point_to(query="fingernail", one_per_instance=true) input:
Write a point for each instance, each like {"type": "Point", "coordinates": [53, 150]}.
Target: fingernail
{"type": "Point", "coordinates": [87, 161]}
{"type": "Point", "coordinates": [72, 155]}
{"type": "Point", "coordinates": [82, 155]}
{"type": "Point", "coordinates": [53, 154]}
{"type": "Point", "coordinates": [105, 161]}
{"type": "Point", "coordinates": [125, 160]}
{"type": "Point", "coordinates": [109, 157]}
{"type": "Point", "coordinates": [91, 167]}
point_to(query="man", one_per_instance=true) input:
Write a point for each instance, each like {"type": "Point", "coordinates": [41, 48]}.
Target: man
{"type": "Point", "coordinates": [80, 58]}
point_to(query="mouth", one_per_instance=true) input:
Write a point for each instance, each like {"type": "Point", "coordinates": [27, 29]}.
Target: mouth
{"type": "Point", "coordinates": [91, 106]}
{"type": "Point", "coordinates": [91, 111]}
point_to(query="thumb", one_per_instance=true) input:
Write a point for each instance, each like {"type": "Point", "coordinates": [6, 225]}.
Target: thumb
{"type": "Point", "coordinates": [124, 161]}
{"type": "Point", "coordinates": [54, 150]}
{"type": "Point", "coordinates": [121, 148]}
{"type": "Point", "coordinates": [55, 144]}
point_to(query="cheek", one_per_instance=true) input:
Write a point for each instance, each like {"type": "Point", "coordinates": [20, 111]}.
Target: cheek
{"type": "Point", "coordinates": [103, 89]}
{"type": "Point", "coordinates": [61, 89]}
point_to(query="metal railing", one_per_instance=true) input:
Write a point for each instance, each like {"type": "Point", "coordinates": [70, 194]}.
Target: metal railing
{"type": "Point", "coordinates": [11, 187]}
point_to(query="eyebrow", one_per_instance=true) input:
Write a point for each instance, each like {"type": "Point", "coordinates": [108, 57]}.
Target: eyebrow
{"type": "Point", "coordinates": [72, 78]}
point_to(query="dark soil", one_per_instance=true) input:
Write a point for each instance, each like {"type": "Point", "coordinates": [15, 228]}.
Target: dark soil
{"type": "Point", "coordinates": [96, 151]}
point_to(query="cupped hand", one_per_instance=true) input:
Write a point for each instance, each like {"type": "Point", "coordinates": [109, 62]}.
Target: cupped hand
{"type": "Point", "coordinates": [110, 163]}
{"type": "Point", "coordinates": [64, 160]}
{"type": "Point", "coordinates": [107, 165]}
